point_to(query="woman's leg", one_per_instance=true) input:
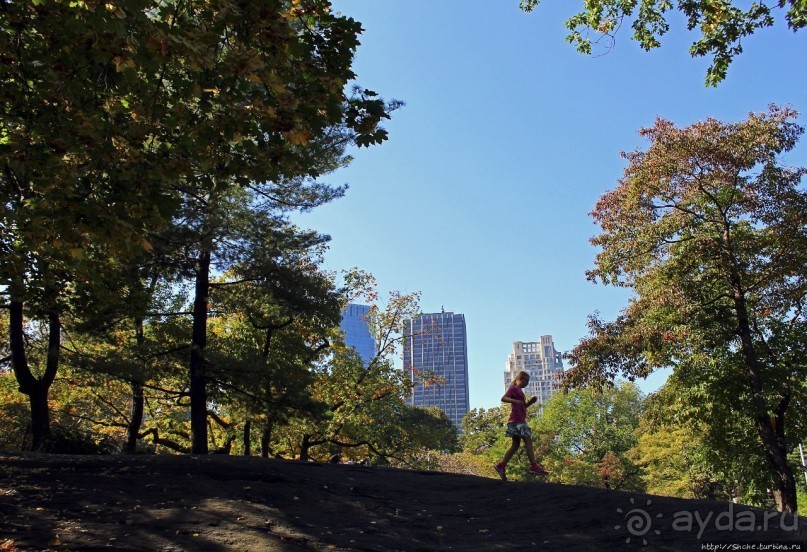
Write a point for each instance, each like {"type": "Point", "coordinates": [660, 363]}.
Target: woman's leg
{"type": "Point", "coordinates": [512, 450]}
{"type": "Point", "coordinates": [530, 451]}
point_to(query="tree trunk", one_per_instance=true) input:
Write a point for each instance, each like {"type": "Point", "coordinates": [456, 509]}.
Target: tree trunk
{"type": "Point", "coordinates": [136, 418]}
{"type": "Point", "coordinates": [36, 389]}
{"type": "Point", "coordinates": [784, 482]}
{"type": "Point", "coordinates": [247, 439]}
{"type": "Point", "coordinates": [198, 391]}
{"type": "Point", "coordinates": [770, 429]}
{"type": "Point", "coordinates": [266, 438]}
{"type": "Point", "coordinates": [40, 417]}
{"type": "Point", "coordinates": [266, 434]}
{"type": "Point", "coordinates": [305, 446]}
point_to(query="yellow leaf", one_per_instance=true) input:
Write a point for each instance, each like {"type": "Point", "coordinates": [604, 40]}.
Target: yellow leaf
{"type": "Point", "coordinates": [146, 245]}
{"type": "Point", "coordinates": [77, 253]}
{"type": "Point", "coordinates": [123, 63]}
{"type": "Point", "coordinates": [9, 546]}
{"type": "Point", "coordinates": [298, 137]}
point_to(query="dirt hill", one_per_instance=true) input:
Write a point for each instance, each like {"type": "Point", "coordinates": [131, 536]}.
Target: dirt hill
{"type": "Point", "coordinates": [217, 503]}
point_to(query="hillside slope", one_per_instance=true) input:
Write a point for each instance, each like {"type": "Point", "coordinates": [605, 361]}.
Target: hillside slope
{"type": "Point", "coordinates": [219, 503]}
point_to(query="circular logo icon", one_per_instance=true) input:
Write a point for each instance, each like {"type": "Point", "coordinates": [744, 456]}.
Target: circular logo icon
{"type": "Point", "coordinates": [638, 522]}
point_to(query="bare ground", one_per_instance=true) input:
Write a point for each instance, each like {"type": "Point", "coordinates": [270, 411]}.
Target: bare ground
{"type": "Point", "coordinates": [218, 503]}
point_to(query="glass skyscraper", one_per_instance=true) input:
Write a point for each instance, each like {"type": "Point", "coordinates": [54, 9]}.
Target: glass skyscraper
{"type": "Point", "coordinates": [436, 359]}
{"type": "Point", "coordinates": [357, 331]}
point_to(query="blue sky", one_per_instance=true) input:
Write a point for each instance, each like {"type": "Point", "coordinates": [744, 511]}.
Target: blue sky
{"type": "Point", "coordinates": [480, 198]}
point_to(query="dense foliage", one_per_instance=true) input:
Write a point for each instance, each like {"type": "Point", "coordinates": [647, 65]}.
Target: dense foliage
{"type": "Point", "coordinates": [156, 295]}
{"type": "Point", "coordinates": [709, 228]}
{"type": "Point", "coordinates": [674, 442]}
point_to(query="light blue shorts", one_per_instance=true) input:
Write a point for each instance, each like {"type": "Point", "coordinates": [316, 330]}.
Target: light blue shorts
{"type": "Point", "coordinates": [518, 430]}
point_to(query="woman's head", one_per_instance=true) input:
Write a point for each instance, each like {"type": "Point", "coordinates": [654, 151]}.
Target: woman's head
{"type": "Point", "coordinates": [522, 379]}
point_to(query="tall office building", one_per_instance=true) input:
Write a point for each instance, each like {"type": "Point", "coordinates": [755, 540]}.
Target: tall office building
{"type": "Point", "coordinates": [541, 361]}
{"type": "Point", "coordinates": [357, 331]}
{"type": "Point", "coordinates": [436, 358]}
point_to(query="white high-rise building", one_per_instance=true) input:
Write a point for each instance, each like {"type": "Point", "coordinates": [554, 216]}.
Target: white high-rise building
{"type": "Point", "coordinates": [541, 361]}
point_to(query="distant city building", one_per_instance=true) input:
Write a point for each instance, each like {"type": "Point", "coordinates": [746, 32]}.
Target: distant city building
{"type": "Point", "coordinates": [357, 331]}
{"type": "Point", "coordinates": [436, 358]}
{"type": "Point", "coordinates": [541, 361]}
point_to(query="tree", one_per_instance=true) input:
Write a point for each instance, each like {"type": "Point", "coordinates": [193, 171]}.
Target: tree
{"type": "Point", "coordinates": [111, 115]}
{"type": "Point", "coordinates": [585, 436]}
{"type": "Point", "coordinates": [482, 440]}
{"type": "Point", "coordinates": [419, 437]}
{"type": "Point", "coordinates": [710, 230]}
{"type": "Point", "coordinates": [692, 447]}
{"type": "Point", "coordinates": [481, 428]}
{"type": "Point", "coordinates": [279, 311]}
{"type": "Point", "coordinates": [365, 407]}
{"type": "Point", "coordinates": [723, 25]}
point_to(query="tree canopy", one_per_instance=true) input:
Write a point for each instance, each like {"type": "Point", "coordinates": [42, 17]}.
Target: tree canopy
{"type": "Point", "coordinates": [709, 228]}
{"type": "Point", "coordinates": [694, 446]}
{"type": "Point", "coordinates": [722, 25]}
{"type": "Point", "coordinates": [127, 131]}
{"type": "Point", "coordinates": [586, 435]}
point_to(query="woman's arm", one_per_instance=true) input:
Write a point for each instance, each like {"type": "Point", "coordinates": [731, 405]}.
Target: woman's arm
{"type": "Point", "coordinates": [512, 400]}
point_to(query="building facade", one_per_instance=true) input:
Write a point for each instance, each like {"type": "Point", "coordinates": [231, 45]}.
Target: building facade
{"type": "Point", "coordinates": [357, 331]}
{"type": "Point", "coordinates": [436, 359]}
{"type": "Point", "coordinates": [541, 361]}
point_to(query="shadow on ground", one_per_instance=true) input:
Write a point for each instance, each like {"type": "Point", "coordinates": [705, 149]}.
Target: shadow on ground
{"type": "Point", "coordinates": [222, 503]}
